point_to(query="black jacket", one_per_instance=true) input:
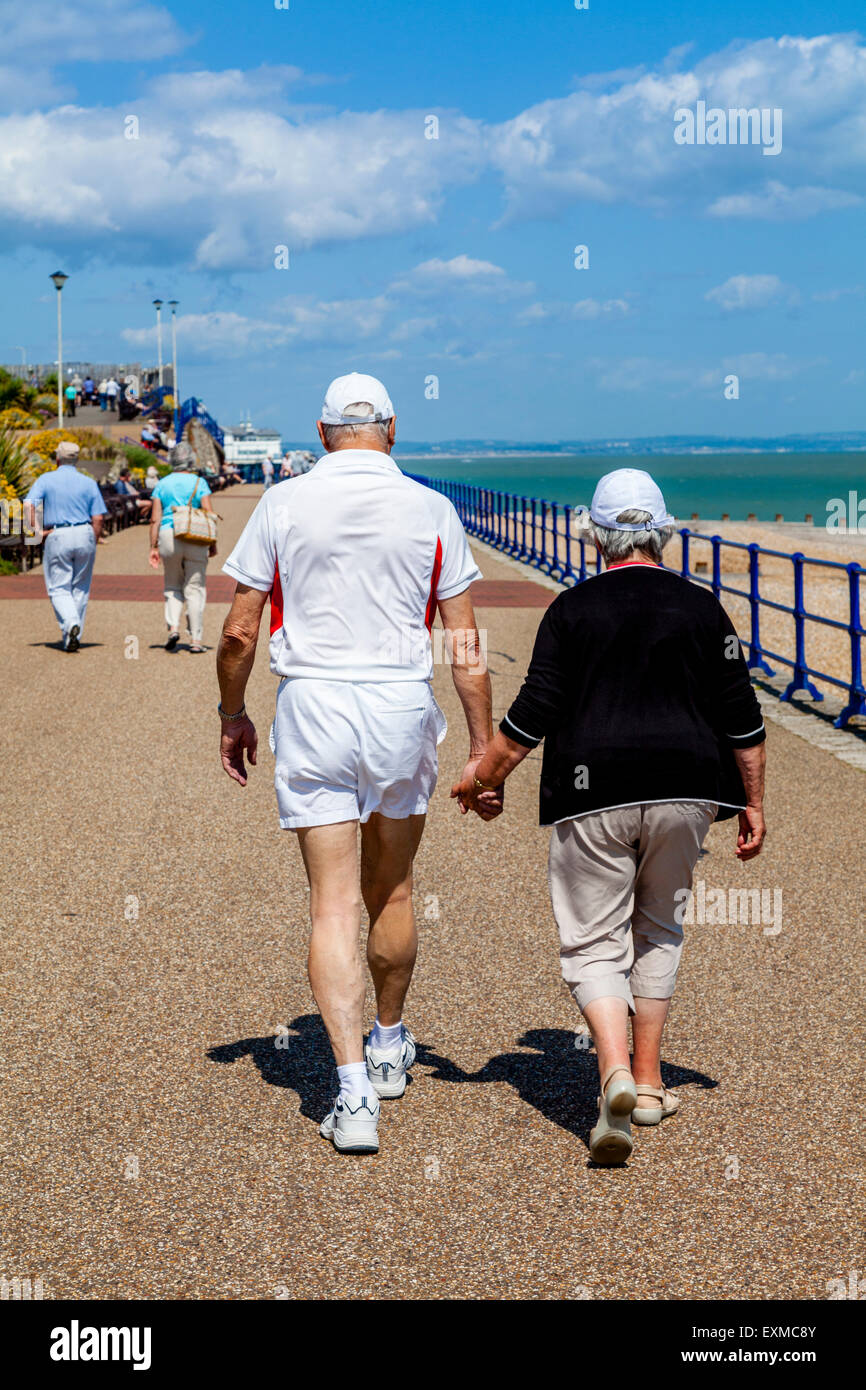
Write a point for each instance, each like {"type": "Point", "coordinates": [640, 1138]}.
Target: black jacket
{"type": "Point", "coordinates": [639, 689]}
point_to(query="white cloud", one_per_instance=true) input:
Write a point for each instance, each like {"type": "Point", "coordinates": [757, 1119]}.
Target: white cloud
{"type": "Point", "coordinates": [831, 296]}
{"type": "Point", "coordinates": [226, 167]}
{"type": "Point", "coordinates": [760, 366]}
{"type": "Point", "coordinates": [223, 181]}
{"type": "Point", "coordinates": [617, 145]}
{"type": "Point", "coordinates": [310, 322]}
{"type": "Point", "coordinates": [777, 203]}
{"type": "Point", "coordinates": [460, 273]}
{"type": "Point", "coordinates": [678, 379]}
{"type": "Point", "coordinates": [582, 309]}
{"type": "Point", "coordinates": [752, 292]}
{"type": "Point", "coordinates": [88, 31]}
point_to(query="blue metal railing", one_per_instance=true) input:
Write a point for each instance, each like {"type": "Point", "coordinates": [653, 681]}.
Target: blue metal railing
{"type": "Point", "coordinates": [540, 533]}
{"type": "Point", "coordinates": [193, 409]}
{"type": "Point", "coordinates": [153, 398]}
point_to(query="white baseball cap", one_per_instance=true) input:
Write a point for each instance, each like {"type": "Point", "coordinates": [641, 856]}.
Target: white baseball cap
{"type": "Point", "coordinates": [349, 390]}
{"type": "Point", "coordinates": [624, 490]}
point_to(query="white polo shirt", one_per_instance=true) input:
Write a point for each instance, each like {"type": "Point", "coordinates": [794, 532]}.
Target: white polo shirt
{"type": "Point", "coordinates": [355, 557]}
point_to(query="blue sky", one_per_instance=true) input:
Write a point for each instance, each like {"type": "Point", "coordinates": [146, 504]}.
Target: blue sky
{"type": "Point", "coordinates": [453, 258]}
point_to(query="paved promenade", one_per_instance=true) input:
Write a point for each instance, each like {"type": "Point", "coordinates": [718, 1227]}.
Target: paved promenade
{"type": "Point", "coordinates": [164, 1071]}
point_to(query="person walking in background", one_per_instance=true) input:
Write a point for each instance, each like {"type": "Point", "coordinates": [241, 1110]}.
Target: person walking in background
{"type": "Point", "coordinates": [184, 563]}
{"type": "Point", "coordinates": [286, 469]}
{"type": "Point", "coordinates": [89, 389]}
{"type": "Point", "coordinates": [102, 391]}
{"type": "Point", "coordinates": [651, 730]}
{"type": "Point", "coordinates": [112, 391]}
{"type": "Point", "coordinates": [71, 395]}
{"type": "Point", "coordinates": [268, 471]}
{"type": "Point", "coordinates": [72, 512]}
{"type": "Point", "coordinates": [356, 558]}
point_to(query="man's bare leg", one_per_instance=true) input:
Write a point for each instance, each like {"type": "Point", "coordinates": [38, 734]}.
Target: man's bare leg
{"type": "Point", "coordinates": [330, 854]}
{"type": "Point", "coordinates": [388, 848]}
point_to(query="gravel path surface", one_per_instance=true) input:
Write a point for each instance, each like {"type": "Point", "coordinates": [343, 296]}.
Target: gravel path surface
{"type": "Point", "coordinates": [164, 1070]}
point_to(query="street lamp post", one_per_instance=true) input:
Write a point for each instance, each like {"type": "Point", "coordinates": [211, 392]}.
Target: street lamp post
{"type": "Point", "coordinates": [59, 280]}
{"type": "Point", "coordinates": [157, 304]}
{"type": "Point", "coordinates": [172, 304]}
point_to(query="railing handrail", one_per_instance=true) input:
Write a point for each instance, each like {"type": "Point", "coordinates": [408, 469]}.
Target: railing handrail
{"type": "Point", "coordinates": [501, 520]}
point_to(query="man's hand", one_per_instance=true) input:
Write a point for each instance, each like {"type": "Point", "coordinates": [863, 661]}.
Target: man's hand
{"type": "Point", "coordinates": [752, 832]}
{"type": "Point", "coordinates": [240, 734]}
{"type": "Point", "coordinates": [486, 804]}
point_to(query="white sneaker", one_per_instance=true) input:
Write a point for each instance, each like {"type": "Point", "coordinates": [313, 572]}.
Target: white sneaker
{"type": "Point", "coordinates": [387, 1069]}
{"type": "Point", "coordinates": [352, 1126]}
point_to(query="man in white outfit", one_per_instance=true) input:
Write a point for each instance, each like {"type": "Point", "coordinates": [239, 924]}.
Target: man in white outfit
{"type": "Point", "coordinates": [356, 559]}
{"type": "Point", "coordinates": [268, 471]}
{"type": "Point", "coordinates": [72, 512]}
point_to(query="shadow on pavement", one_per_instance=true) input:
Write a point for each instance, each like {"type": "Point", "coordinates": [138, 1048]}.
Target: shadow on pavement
{"type": "Point", "coordinates": [303, 1062]}
{"type": "Point", "coordinates": [556, 1078]}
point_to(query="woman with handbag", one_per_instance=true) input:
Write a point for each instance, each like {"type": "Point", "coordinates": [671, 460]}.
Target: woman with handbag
{"type": "Point", "coordinates": [183, 537]}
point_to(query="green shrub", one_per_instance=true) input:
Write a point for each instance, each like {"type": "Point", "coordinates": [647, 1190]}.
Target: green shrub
{"type": "Point", "coordinates": [137, 457]}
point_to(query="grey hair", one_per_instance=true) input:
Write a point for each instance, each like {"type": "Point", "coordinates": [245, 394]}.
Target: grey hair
{"type": "Point", "coordinates": [337, 436]}
{"type": "Point", "coordinates": [182, 455]}
{"type": "Point", "coordinates": [619, 545]}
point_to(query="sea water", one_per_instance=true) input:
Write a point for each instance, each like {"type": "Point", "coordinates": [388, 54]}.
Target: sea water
{"type": "Point", "coordinates": [710, 484]}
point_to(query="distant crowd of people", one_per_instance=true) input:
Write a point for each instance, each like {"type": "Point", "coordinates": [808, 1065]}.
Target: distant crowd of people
{"type": "Point", "coordinates": [109, 394]}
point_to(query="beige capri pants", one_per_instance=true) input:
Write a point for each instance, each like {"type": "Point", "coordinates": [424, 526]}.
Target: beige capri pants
{"type": "Point", "coordinates": [185, 578]}
{"type": "Point", "coordinates": [613, 875]}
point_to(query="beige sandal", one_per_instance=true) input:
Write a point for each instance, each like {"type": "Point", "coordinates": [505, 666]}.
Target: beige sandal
{"type": "Point", "coordinates": [610, 1142]}
{"type": "Point", "coordinates": [667, 1104]}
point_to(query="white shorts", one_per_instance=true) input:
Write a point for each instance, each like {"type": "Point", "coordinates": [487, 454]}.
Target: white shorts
{"type": "Point", "coordinates": [346, 749]}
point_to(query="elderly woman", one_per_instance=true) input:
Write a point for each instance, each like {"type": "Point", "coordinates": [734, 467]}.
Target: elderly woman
{"type": "Point", "coordinates": [652, 731]}
{"type": "Point", "coordinates": [184, 563]}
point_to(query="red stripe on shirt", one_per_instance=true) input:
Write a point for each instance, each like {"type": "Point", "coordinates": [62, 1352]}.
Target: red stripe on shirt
{"type": "Point", "coordinates": [276, 601]}
{"type": "Point", "coordinates": [434, 582]}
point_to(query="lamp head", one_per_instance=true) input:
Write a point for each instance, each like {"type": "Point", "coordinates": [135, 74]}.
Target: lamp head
{"type": "Point", "coordinates": [59, 279]}
{"type": "Point", "coordinates": [157, 304]}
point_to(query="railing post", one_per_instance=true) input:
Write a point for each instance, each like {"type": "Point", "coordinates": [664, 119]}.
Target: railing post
{"type": "Point", "coordinates": [799, 679]}
{"type": "Point", "coordinates": [684, 568]}
{"type": "Point", "coordinates": [543, 562]}
{"type": "Point", "coordinates": [533, 553]}
{"type": "Point", "coordinates": [556, 570]}
{"type": "Point", "coordinates": [524, 553]}
{"type": "Point", "coordinates": [514, 543]}
{"type": "Point", "coordinates": [856, 694]}
{"type": "Point", "coordinates": [717, 565]}
{"type": "Point", "coordinates": [756, 656]}
{"type": "Point", "coordinates": [568, 572]}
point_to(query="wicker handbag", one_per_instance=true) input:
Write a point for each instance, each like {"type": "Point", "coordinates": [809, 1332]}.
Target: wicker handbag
{"type": "Point", "coordinates": [194, 524]}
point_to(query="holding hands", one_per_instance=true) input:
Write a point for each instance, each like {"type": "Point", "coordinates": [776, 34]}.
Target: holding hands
{"type": "Point", "coordinates": [486, 802]}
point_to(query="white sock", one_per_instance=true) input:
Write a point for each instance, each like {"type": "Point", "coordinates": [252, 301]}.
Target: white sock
{"type": "Point", "coordinates": [387, 1039]}
{"type": "Point", "coordinates": [354, 1082]}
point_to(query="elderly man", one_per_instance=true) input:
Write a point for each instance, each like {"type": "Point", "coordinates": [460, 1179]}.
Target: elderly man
{"type": "Point", "coordinates": [356, 559]}
{"type": "Point", "coordinates": [72, 512]}
{"type": "Point", "coordinates": [651, 732]}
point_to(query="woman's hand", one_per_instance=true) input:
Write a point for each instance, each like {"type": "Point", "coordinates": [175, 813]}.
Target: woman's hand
{"type": "Point", "coordinates": [212, 550]}
{"type": "Point", "coordinates": [153, 558]}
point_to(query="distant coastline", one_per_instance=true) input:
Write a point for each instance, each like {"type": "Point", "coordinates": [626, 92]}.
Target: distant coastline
{"type": "Point", "coordinates": [640, 446]}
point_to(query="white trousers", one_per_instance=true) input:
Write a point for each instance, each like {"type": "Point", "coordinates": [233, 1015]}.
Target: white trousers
{"type": "Point", "coordinates": [185, 570]}
{"type": "Point", "coordinates": [67, 562]}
